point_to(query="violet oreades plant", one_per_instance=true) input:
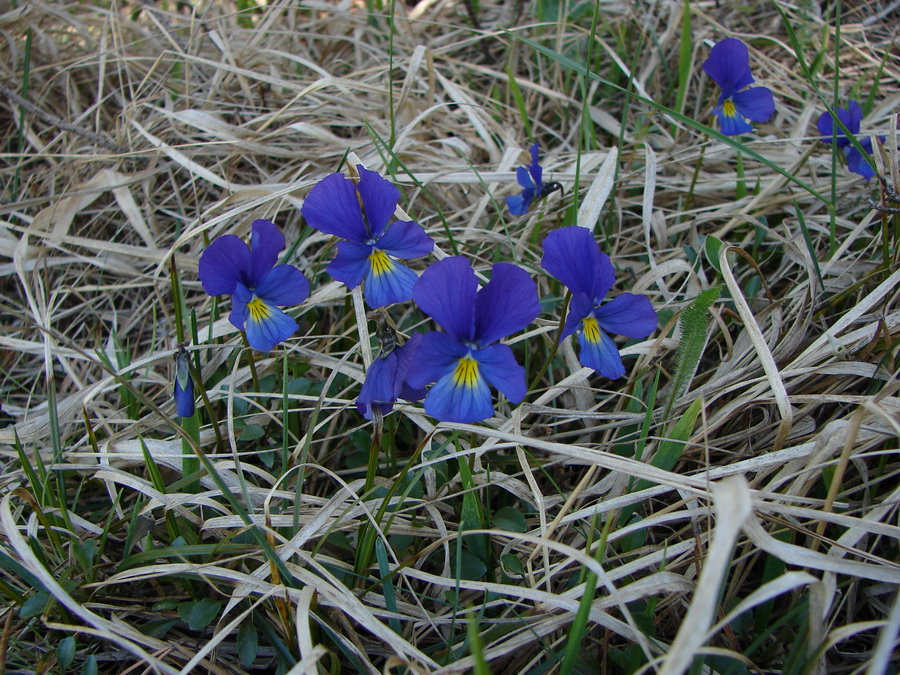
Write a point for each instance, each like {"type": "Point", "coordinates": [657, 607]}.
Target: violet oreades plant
{"type": "Point", "coordinates": [463, 360]}
{"type": "Point", "coordinates": [386, 379]}
{"type": "Point", "coordinates": [851, 118]}
{"type": "Point", "coordinates": [184, 385]}
{"type": "Point", "coordinates": [573, 256]}
{"type": "Point", "coordinates": [373, 245]}
{"type": "Point", "coordinates": [257, 286]}
{"type": "Point", "coordinates": [530, 177]}
{"type": "Point", "coordinates": [729, 67]}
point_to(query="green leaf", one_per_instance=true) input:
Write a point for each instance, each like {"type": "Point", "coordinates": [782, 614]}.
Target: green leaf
{"type": "Point", "coordinates": [666, 456]}
{"type": "Point", "coordinates": [34, 605]}
{"type": "Point", "coordinates": [512, 564]}
{"type": "Point", "coordinates": [65, 652]}
{"type": "Point", "coordinates": [299, 385]}
{"type": "Point", "coordinates": [476, 647]}
{"type": "Point", "coordinates": [472, 515]}
{"type": "Point", "coordinates": [471, 567]}
{"type": "Point", "coordinates": [247, 643]}
{"type": "Point", "coordinates": [204, 613]}
{"type": "Point", "coordinates": [509, 519]}
{"type": "Point", "coordinates": [251, 432]}
{"type": "Point", "coordinates": [401, 542]}
{"type": "Point", "coordinates": [90, 666]}
{"type": "Point", "coordinates": [158, 627]}
{"type": "Point", "coordinates": [387, 585]}
{"type": "Point", "coordinates": [711, 247]}
{"type": "Point", "coordinates": [635, 539]}
{"type": "Point", "coordinates": [11, 565]}
{"type": "Point", "coordinates": [200, 614]}
{"type": "Point", "coordinates": [670, 449]}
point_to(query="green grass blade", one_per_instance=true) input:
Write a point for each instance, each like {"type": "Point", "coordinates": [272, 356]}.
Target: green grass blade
{"type": "Point", "coordinates": [390, 597]}
{"type": "Point", "coordinates": [667, 454]}
{"type": "Point", "coordinates": [476, 648]}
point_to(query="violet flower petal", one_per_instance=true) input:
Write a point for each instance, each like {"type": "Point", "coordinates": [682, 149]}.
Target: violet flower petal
{"type": "Point", "coordinates": [499, 367]}
{"type": "Point", "coordinates": [405, 239]}
{"type": "Point", "coordinates": [284, 285]}
{"type": "Point", "coordinates": [379, 198]}
{"type": "Point", "coordinates": [266, 242]}
{"type": "Point", "coordinates": [223, 264]}
{"type": "Point", "coordinates": [332, 207]}
{"type": "Point", "coordinates": [506, 305]}
{"type": "Point", "coordinates": [628, 314]}
{"type": "Point", "coordinates": [446, 292]}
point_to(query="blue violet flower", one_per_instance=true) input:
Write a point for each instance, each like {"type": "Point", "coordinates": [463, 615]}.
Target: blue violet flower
{"type": "Point", "coordinates": [729, 66]}
{"type": "Point", "coordinates": [851, 118]}
{"type": "Point", "coordinates": [371, 247]}
{"type": "Point", "coordinates": [386, 379]}
{"type": "Point", "coordinates": [463, 360]}
{"type": "Point", "coordinates": [533, 187]}
{"type": "Point", "coordinates": [257, 286]}
{"type": "Point", "coordinates": [573, 256]}
{"type": "Point", "coordinates": [184, 385]}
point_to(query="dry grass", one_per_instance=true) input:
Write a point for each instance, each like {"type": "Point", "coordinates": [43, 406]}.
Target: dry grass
{"type": "Point", "coordinates": [769, 543]}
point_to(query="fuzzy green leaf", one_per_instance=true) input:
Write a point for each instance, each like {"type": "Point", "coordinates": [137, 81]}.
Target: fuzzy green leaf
{"type": "Point", "coordinates": [693, 342]}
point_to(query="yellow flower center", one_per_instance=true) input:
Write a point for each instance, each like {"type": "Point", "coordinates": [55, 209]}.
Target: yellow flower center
{"type": "Point", "coordinates": [259, 310]}
{"type": "Point", "coordinates": [466, 372]}
{"type": "Point", "coordinates": [591, 329]}
{"type": "Point", "coordinates": [728, 108]}
{"type": "Point", "coordinates": [380, 262]}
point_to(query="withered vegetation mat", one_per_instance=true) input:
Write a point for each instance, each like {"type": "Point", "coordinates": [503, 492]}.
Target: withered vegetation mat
{"type": "Point", "coordinates": [731, 502]}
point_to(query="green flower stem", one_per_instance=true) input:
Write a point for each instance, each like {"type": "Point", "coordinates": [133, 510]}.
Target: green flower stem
{"type": "Point", "coordinates": [366, 536]}
{"type": "Point", "coordinates": [210, 410]}
{"type": "Point", "coordinates": [555, 347]}
{"type": "Point", "coordinates": [248, 352]}
{"type": "Point", "coordinates": [366, 547]}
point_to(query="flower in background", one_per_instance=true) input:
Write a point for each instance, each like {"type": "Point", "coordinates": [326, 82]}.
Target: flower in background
{"type": "Point", "coordinates": [573, 256]}
{"type": "Point", "coordinates": [463, 360]}
{"type": "Point", "coordinates": [729, 66]}
{"type": "Point", "coordinates": [184, 385]}
{"type": "Point", "coordinates": [371, 248]}
{"type": "Point", "coordinates": [533, 187]}
{"type": "Point", "coordinates": [386, 380]}
{"type": "Point", "coordinates": [851, 118]}
{"type": "Point", "coordinates": [257, 286]}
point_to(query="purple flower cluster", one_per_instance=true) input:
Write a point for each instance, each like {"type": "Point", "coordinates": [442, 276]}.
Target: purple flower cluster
{"type": "Point", "coordinates": [463, 361]}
